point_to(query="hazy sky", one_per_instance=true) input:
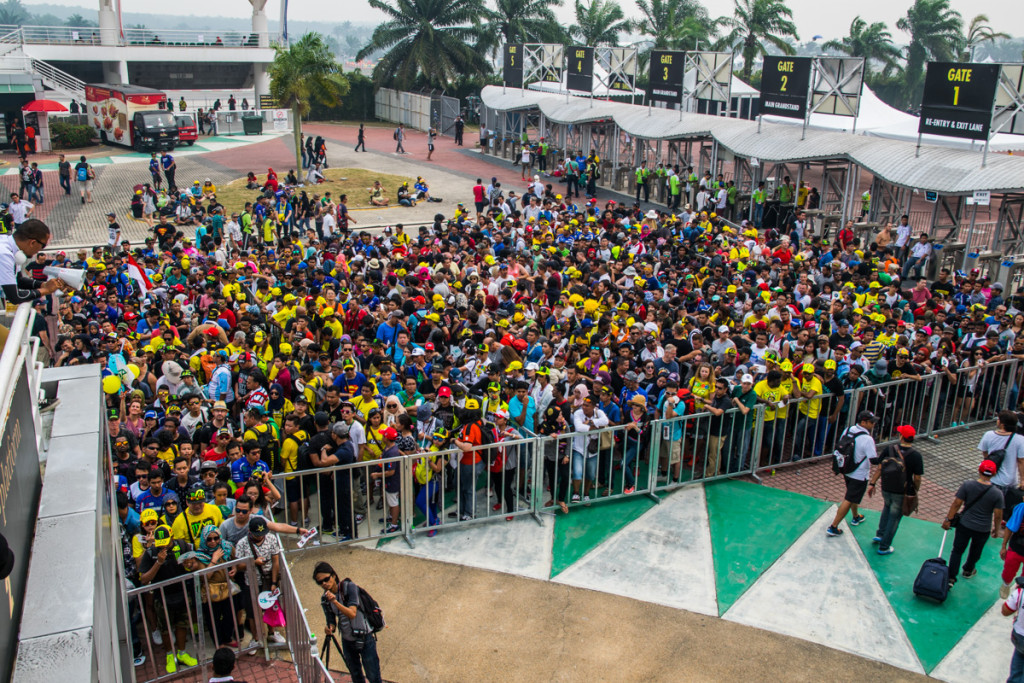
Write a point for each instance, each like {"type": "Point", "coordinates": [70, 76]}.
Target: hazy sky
{"type": "Point", "coordinates": [828, 18]}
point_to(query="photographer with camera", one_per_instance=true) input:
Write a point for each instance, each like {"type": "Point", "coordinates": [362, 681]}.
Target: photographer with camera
{"type": "Point", "coordinates": [342, 610]}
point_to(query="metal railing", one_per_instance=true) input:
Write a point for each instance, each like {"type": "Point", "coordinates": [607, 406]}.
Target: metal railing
{"type": "Point", "coordinates": [301, 638]}
{"type": "Point", "coordinates": [91, 35]}
{"type": "Point", "coordinates": [57, 79]}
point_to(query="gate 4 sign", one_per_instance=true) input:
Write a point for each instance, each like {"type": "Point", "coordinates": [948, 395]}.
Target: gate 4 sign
{"type": "Point", "coordinates": [513, 72]}
{"type": "Point", "coordinates": [784, 85]}
{"type": "Point", "coordinates": [958, 99]}
{"type": "Point", "coordinates": [580, 65]}
{"type": "Point", "coordinates": [666, 75]}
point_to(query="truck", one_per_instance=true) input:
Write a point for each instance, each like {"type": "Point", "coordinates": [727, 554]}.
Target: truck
{"type": "Point", "coordinates": [131, 116]}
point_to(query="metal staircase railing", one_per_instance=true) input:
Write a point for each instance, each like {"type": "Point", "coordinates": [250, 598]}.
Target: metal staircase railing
{"type": "Point", "coordinates": [55, 79]}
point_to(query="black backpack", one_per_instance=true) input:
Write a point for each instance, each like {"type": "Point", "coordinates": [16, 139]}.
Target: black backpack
{"type": "Point", "coordinates": [271, 448]}
{"type": "Point", "coordinates": [368, 606]}
{"type": "Point", "coordinates": [843, 460]}
{"type": "Point", "coordinates": [997, 456]}
{"type": "Point", "coordinates": [302, 459]}
{"type": "Point", "coordinates": [893, 470]}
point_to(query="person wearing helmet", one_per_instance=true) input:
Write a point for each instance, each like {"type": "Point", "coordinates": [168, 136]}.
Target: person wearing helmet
{"type": "Point", "coordinates": [198, 513]}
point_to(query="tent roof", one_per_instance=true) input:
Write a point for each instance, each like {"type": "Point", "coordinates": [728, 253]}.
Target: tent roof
{"type": "Point", "coordinates": [941, 169]}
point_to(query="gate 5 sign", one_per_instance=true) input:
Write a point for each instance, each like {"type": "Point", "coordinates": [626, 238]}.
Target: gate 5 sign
{"type": "Point", "coordinates": [666, 76]}
{"type": "Point", "coordinates": [581, 69]}
{"type": "Point", "coordinates": [513, 72]}
{"type": "Point", "coordinates": [785, 82]}
{"type": "Point", "coordinates": [958, 99]}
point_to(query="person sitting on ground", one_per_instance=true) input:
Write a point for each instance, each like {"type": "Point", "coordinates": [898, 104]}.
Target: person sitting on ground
{"type": "Point", "coordinates": [404, 196]}
{"type": "Point", "coordinates": [209, 189]}
{"type": "Point", "coordinates": [423, 190]}
{"type": "Point", "coordinates": [251, 183]}
{"type": "Point", "coordinates": [377, 194]}
{"type": "Point", "coordinates": [315, 175]}
{"type": "Point", "coordinates": [271, 183]}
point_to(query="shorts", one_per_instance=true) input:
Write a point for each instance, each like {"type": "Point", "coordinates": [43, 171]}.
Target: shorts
{"type": "Point", "coordinates": [855, 489]}
{"type": "Point", "coordinates": [391, 499]}
{"type": "Point", "coordinates": [293, 489]}
{"type": "Point", "coordinates": [430, 148]}
{"type": "Point", "coordinates": [85, 185]}
{"type": "Point", "coordinates": [479, 206]}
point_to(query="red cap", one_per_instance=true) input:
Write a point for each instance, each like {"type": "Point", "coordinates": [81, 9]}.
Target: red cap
{"type": "Point", "coordinates": [906, 431]}
{"type": "Point", "coordinates": [212, 331]}
{"type": "Point", "coordinates": [445, 391]}
{"type": "Point", "coordinates": [507, 340]}
{"type": "Point", "coordinates": [519, 344]}
{"type": "Point", "coordinates": [987, 467]}
{"type": "Point", "coordinates": [428, 346]}
{"type": "Point", "coordinates": [390, 434]}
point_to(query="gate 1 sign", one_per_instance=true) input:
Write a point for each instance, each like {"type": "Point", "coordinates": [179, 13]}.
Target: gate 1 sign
{"type": "Point", "coordinates": [784, 85]}
{"type": "Point", "coordinates": [666, 76]}
{"type": "Point", "coordinates": [513, 72]}
{"type": "Point", "coordinates": [958, 99]}
{"type": "Point", "coordinates": [581, 69]}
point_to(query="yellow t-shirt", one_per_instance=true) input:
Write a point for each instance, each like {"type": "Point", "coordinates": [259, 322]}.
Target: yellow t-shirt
{"type": "Point", "coordinates": [290, 451]}
{"type": "Point", "coordinates": [811, 408]}
{"type": "Point", "coordinates": [773, 396]}
{"type": "Point", "coordinates": [190, 529]}
{"type": "Point", "coordinates": [364, 407]}
{"type": "Point", "coordinates": [702, 391]}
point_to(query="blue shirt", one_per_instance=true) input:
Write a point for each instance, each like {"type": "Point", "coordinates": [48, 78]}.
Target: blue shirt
{"type": "Point", "coordinates": [147, 501]}
{"type": "Point", "coordinates": [241, 470]}
{"type": "Point", "coordinates": [166, 161]}
{"type": "Point", "coordinates": [387, 334]}
{"type": "Point", "coordinates": [515, 409]}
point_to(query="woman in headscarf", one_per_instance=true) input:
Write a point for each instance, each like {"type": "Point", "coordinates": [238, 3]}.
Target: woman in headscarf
{"type": "Point", "coordinates": [278, 406]}
{"type": "Point", "coordinates": [216, 586]}
{"type": "Point", "coordinates": [271, 183]}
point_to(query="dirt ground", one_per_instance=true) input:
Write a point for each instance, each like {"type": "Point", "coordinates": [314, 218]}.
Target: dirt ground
{"type": "Point", "coordinates": [452, 623]}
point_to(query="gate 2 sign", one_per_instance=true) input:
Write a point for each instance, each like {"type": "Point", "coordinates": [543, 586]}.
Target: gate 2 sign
{"type": "Point", "coordinates": [785, 82]}
{"type": "Point", "coordinates": [958, 99]}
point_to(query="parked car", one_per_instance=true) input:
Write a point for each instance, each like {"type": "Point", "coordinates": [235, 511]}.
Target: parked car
{"type": "Point", "coordinates": [187, 131]}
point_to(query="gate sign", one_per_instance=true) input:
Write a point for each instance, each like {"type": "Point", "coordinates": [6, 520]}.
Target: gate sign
{"type": "Point", "coordinates": [542, 62]}
{"type": "Point", "coordinates": [580, 74]}
{"type": "Point", "coordinates": [958, 99]}
{"type": "Point", "coordinates": [784, 85]}
{"type": "Point", "coordinates": [512, 74]}
{"type": "Point", "coordinates": [666, 76]}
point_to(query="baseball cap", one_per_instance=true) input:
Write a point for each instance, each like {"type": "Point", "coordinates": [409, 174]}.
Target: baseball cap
{"type": "Point", "coordinates": [907, 431]}
{"type": "Point", "coordinates": [987, 467]}
{"type": "Point", "coordinates": [208, 465]}
{"type": "Point", "coordinates": [723, 328]}
{"type": "Point", "coordinates": [472, 404]}
{"type": "Point", "coordinates": [162, 536]}
{"type": "Point", "coordinates": [444, 391]}
{"type": "Point", "coordinates": [808, 367]}
{"type": "Point", "coordinates": [747, 379]}
{"type": "Point", "coordinates": [149, 515]}
{"type": "Point", "coordinates": [866, 416]}
{"type": "Point", "coordinates": [390, 434]}
{"type": "Point", "coordinates": [258, 526]}
{"type": "Point", "coordinates": [340, 429]}
{"type": "Point", "coordinates": [830, 365]}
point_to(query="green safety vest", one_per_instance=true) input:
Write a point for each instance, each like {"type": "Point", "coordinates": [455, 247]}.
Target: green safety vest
{"type": "Point", "coordinates": [865, 202]}
{"type": "Point", "coordinates": [642, 174]}
{"type": "Point", "coordinates": [692, 179]}
{"type": "Point", "coordinates": [760, 196]}
{"type": "Point", "coordinates": [673, 182]}
{"type": "Point", "coordinates": [660, 172]}
{"type": "Point", "coordinates": [543, 149]}
{"type": "Point", "coordinates": [785, 194]}
{"type": "Point", "coordinates": [731, 194]}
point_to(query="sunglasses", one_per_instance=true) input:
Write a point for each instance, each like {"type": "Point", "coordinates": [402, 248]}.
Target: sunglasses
{"type": "Point", "coordinates": [324, 581]}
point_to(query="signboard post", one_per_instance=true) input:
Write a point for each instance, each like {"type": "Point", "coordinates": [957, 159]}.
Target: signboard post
{"type": "Point", "coordinates": [784, 85]}
{"type": "Point", "coordinates": [580, 69]}
{"type": "Point", "coordinates": [837, 86]}
{"type": "Point", "coordinates": [982, 197]}
{"type": "Point", "coordinates": [666, 76]}
{"type": "Point", "coordinates": [512, 73]}
{"type": "Point", "coordinates": [958, 100]}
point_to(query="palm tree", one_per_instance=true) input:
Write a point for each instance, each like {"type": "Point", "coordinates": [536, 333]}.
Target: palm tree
{"type": "Point", "coordinates": [434, 40]}
{"type": "Point", "coordinates": [13, 13]}
{"type": "Point", "coordinates": [675, 24]}
{"type": "Point", "coordinates": [872, 42]}
{"type": "Point", "coordinates": [935, 34]}
{"type": "Point", "coordinates": [521, 21]}
{"type": "Point", "coordinates": [758, 25]}
{"type": "Point", "coordinates": [980, 32]}
{"type": "Point", "coordinates": [599, 22]}
{"type": "Point", "coordinates": [304, 72]}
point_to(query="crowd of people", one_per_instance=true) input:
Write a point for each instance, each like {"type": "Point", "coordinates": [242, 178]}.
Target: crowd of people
{"type": "Point", "coordinates": [280, 339]}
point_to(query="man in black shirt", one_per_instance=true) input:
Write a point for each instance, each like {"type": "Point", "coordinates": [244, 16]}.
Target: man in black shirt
{"type": "Point", "coordinates": [900, 469]}
{"type": "Point", "coordinates": [161, 562]}
{"type": "Point", "coordinates": [832, 406]}
{"type": "Point", "coordinates": [842, 336]}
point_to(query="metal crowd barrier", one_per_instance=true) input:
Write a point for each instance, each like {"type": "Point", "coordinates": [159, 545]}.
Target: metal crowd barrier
{"type": "Point", "coordinates": [185, 602]}
{"type": "Point", "coordinates": [301, 638]}
{"type": "Point", "coordinates": [532, 476]}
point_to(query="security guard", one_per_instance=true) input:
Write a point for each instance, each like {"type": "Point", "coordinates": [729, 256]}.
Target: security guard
{"type": "Point", "coordinates": [643, 175]}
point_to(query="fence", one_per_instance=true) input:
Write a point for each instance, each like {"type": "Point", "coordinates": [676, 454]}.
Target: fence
{"type": "Point", "coordinates": [417, 110]}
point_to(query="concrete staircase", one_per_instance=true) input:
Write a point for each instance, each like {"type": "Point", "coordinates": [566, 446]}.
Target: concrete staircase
{"type": "Point", "coordinates": [13, 58]}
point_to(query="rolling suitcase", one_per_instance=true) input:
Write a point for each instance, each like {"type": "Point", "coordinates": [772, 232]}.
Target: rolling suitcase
{"type": "Point", "coordinates": [933, 579]}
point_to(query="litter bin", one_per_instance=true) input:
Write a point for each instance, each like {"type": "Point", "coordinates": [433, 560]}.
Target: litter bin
{"type": "Point", "coordinates": [252, 125]}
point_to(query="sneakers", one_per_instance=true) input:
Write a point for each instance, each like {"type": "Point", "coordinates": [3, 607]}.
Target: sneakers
{"type": "Point", "coordinates": [432, 533]}
{"type": "Point", "coordinates": [575, 499]}
{"type": "Point", "coordinates": [886, 551]}
{"type": "Point", "coordinates": [360, 518]}
{"type": "Point", "coordinates": [172, 664]}
{"type": "Point", "coordinates": [1004, 593]}
{"type": "Point", "coordinates": [856, 520]}
{"type": "Point", "coordinates": [496, 506]}
{"type": "Point", "coordinates": [186, 659]}
{"type": "Point", "coordinates": [876, 540]}
{"type": "Point", "coordinates": [141, 659]}
{"type": "Point", "coordinates": [278, 638]}
{"type": "Point", "coordinates": [629, 489]}
{"type": "Point", "coordinates": [157, 638]}
{"type": "Point", "coordinates": [465, 518]}
{"type": "Point", "coordinates": [834, 531]}
{"type": "Point", "coordinates": [509, 518]}
{"type": "Point", "coordinates": [969, 574]}
{"type": "Point", "coordinates": [586, 500]}
{"type": "Point", "coordinates": [253, 646]}
{"type": "Point", "coordinates": [389, 529]}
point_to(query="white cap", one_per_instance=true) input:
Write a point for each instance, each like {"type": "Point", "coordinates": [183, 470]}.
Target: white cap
{"type": "Point", "coordinates": [855, 345]}
{"type": "Point", "coordinates": [723, 328]}
{"type": "Point", "coordinates": [747, 378]}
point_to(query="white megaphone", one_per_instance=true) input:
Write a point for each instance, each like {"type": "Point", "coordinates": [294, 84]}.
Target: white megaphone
{"type": "Point", "coordinates": [73, 277]}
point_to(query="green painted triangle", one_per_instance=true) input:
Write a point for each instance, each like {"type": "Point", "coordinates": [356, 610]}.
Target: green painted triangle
{"type": "Point", "coordinates": [751, 526]}
{"type": "Point", "coordinates": [585, 528]}
{"type": "Point", "coordinates": [932, 628]}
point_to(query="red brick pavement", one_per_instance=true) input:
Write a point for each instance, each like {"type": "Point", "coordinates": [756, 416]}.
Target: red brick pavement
{"type": "Point", "coordinates": [256, 670]}
{"type": "Point", "coordinates": [817, 479]}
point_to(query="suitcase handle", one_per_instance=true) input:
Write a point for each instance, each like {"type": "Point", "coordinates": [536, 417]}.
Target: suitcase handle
{"type": "Point", "coordinates": [942, 546]}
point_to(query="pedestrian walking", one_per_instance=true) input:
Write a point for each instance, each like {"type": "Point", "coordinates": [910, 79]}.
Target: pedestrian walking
{"type": "Point", "coordinates": [1005, 448]}
{"type": "Point", "coordinates": [900, 468]}
{"type": "Point", "coordinates": [1012, 551]}
{"type": "Point", "coordinates": [84, 175]}
{"type": "Point", "coordinates": [154, 171]}
{"type": "Point", "coordinates": [980, 516]}
{"type": "Point", "coordinates": [1012, 607]}
{"type": "Point", "coordinates": [460, 127]}
{"type": "Point", "coordinates": [344, 612]}
{"type": "Point", "coordinates": [361, 139]}
{"type": "Point", "coordinates": [64, 174]}
{"type": "Point", "coordinates": [431, 134]}
{"type": "Point", "coordinates": [857, 480]}
{"type": "Point", "coordinates": [399, 136]}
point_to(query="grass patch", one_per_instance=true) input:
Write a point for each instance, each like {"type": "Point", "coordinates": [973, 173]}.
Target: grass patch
{"type": "Point", "coordinates": [351, 181]}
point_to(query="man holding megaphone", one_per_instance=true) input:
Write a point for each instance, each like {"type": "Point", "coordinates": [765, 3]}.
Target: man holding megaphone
{"type": "Point", "coordinates": [27, 240]}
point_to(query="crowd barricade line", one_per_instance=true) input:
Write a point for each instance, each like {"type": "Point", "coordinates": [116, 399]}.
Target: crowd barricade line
{"type": "Point", "coordinates": [157, 606]}
{"type": "Point", "coordinates": [704, 447]}
{"type": "Point", "coordinates": [974, 394]}
{"type": "Point", "coordinates": [799, 432]}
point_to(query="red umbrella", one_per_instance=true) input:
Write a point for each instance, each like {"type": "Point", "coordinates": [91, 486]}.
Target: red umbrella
{"type": "Point", "coordinates": [44, 105]}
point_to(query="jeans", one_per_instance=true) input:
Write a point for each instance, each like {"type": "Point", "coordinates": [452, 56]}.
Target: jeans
{"type": "Point", "coordinates": [581, 462]}
{"type": "Point", "coordinates": [913, 263]}
{"type": "Point", "coordinates": [33, 191]}
{"type": "Point", "coordinates": [467, 488]}
{"type": "Point", "coordinates": [628, 477]}
{"type": "Point", "coordinates": [65, 182]}
{"type": "Point", "coordinates": [758, 215]}
{"type": "Point", "coordinates": [426, 501]}
{"type": "Point", "coordinates": [359, 659]}
{"type": "Point", "coordinates": [558, 478]}
{"type": "Point", "coordinates": [889, 522]}
{"type": "Point", "coordinates": [739, 459]}
{"type": "Point", "coordinates": [963, 537]}
{"type": "Point", "coordinates": [807, 429]}
{"type": "Point", "coordinates": [1016, 667]}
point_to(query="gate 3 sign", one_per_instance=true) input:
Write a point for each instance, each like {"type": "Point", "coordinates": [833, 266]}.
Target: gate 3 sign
{"type": "Point", "coordinates": [958, 99]}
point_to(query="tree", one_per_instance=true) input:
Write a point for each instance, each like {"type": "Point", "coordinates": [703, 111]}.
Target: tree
{"type": "Point", "coordinates": [675, 24]}
{"type": "Point", "coordinates": [521, 21]}
{"type": "Point", "coordinates": [757, 24]}
{"type": "Point", "coordinates": [599, 22]}
{"type": "Point", "coordinates": [872, 42]}
{"type": "Point", "coordinates": [980, 32]}
{"type": "Point", "coordinates": [431, 40]}
{"type": "Point", "coordinates": [76, 20]}
{"type": "Point", "coordinates": [305, 72]}
{"type": "Point", "coordinates": [13, 13]}
{"type": "Point", "coordinates": [935, 33]}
